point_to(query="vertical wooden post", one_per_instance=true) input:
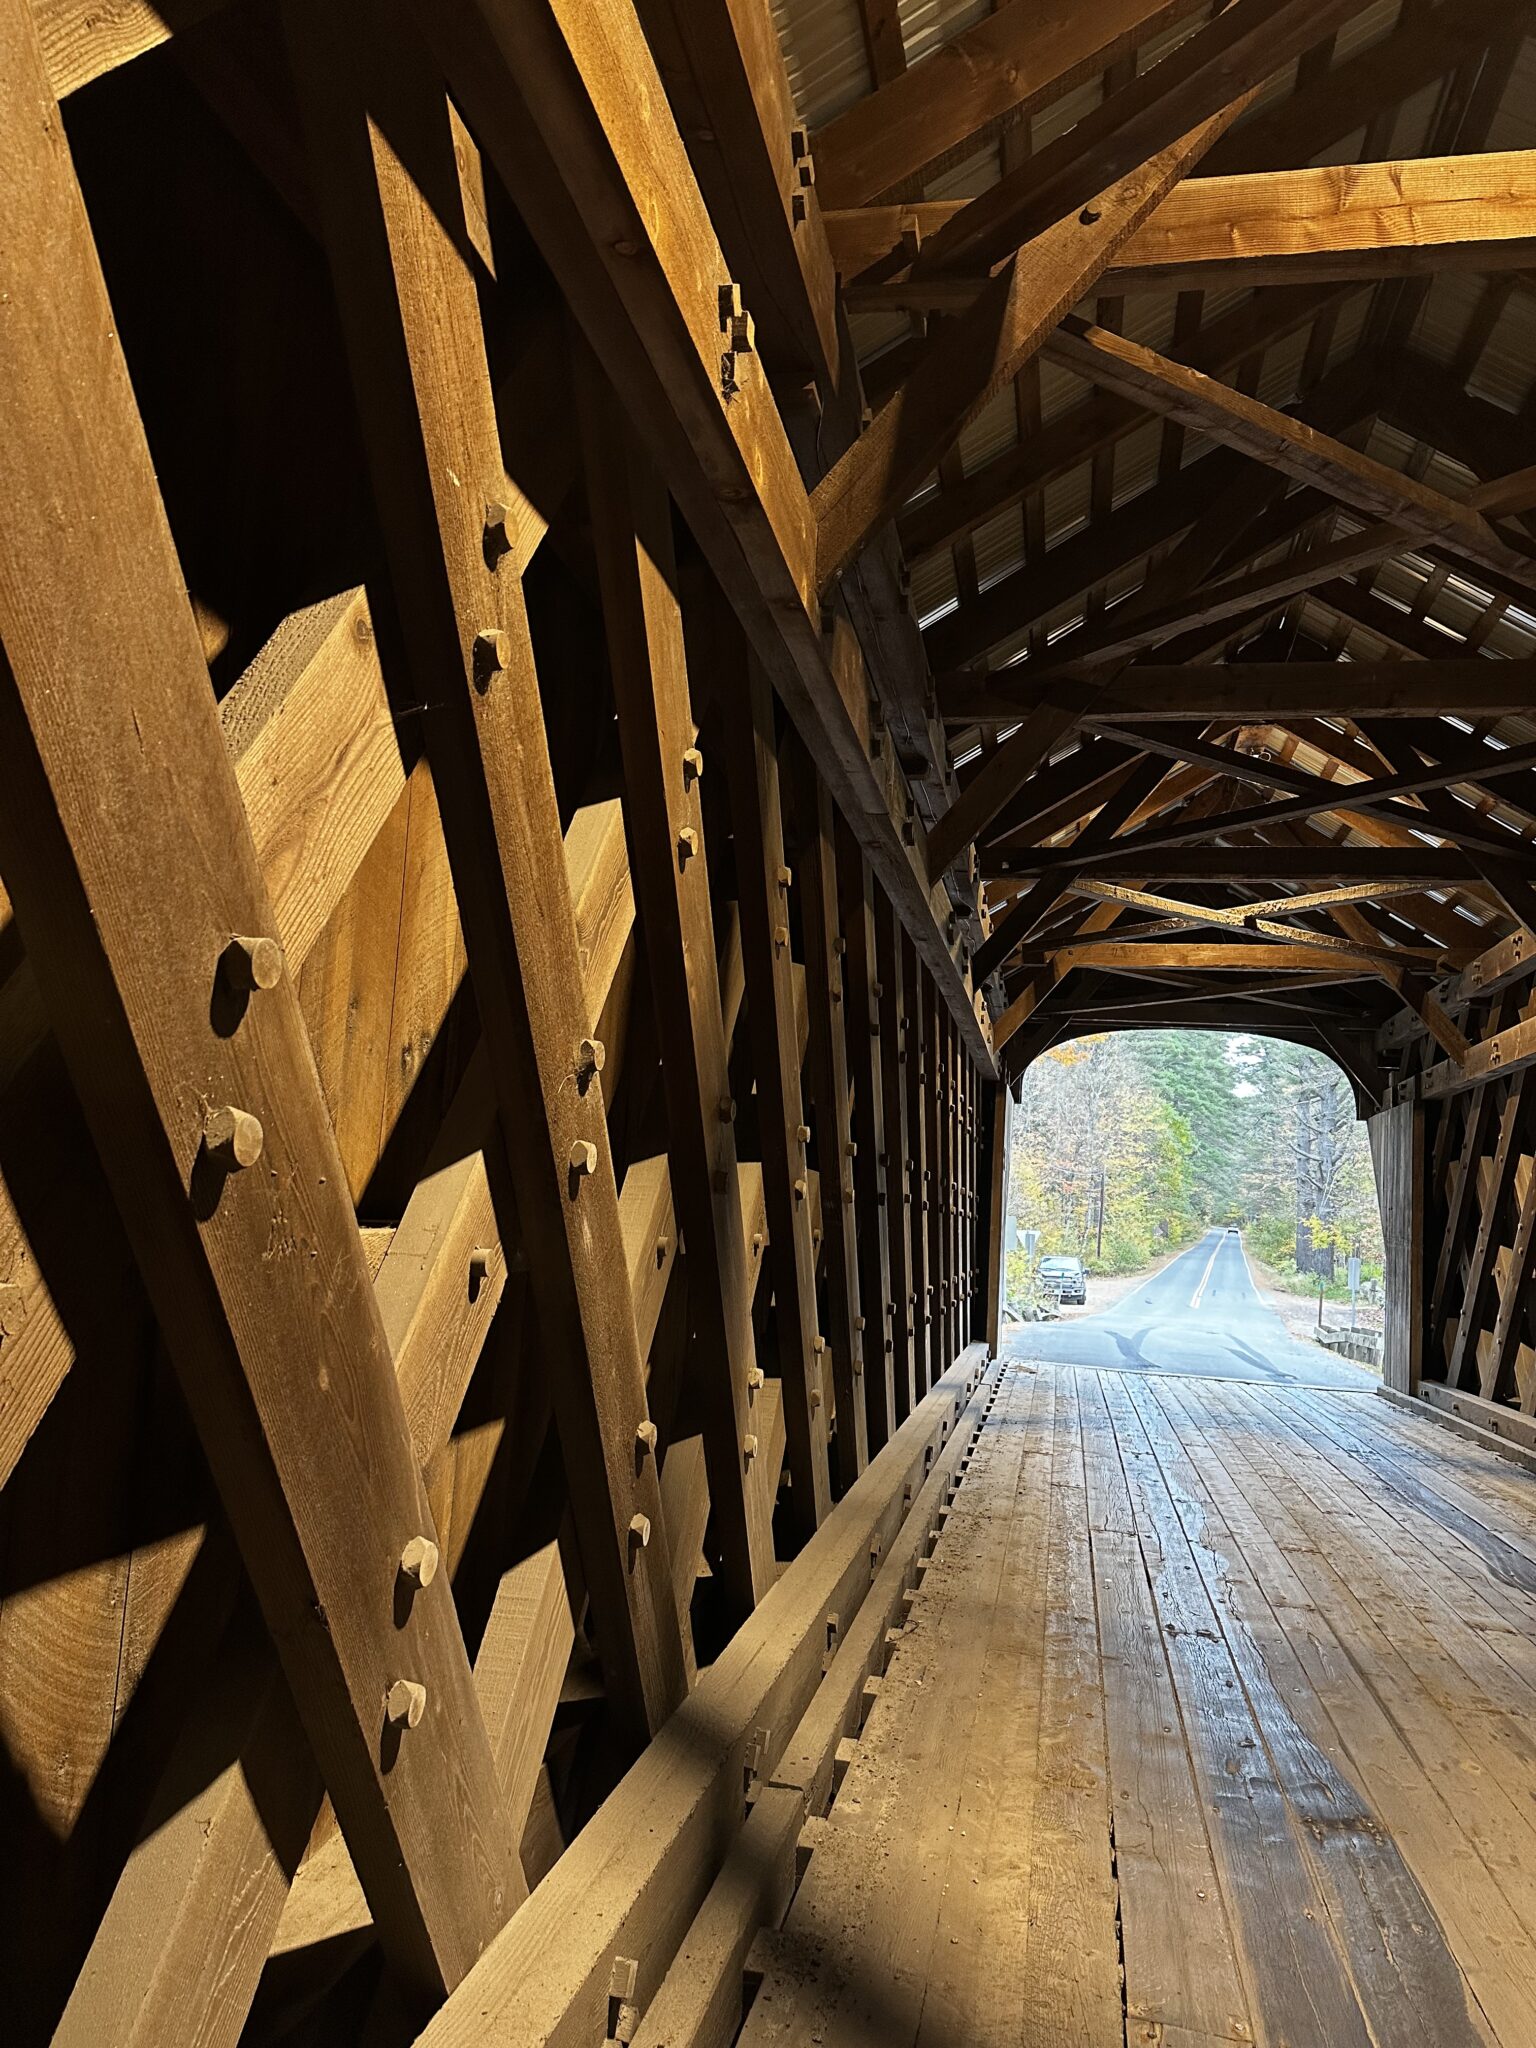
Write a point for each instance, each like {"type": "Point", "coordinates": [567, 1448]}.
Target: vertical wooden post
{"type": "Point", "coordinates": [898, 1185]}
{"type": "Point", "coordinates": [924, 1350]}
{"type": "Point", "coordinates": [382, 158]}
{"type": "Point", "coordinates": [663, 771]}
{"type": "Point", "coordinates": [865, 1170]}
{"type": "Point", "coordinates": [1398, 1154]}
{"type": "Point", "coordinates": [763, 884]}
{"type": "Point", "coordinates": [829, 1089]}
{"type": "Point", "coordinates": [933, 1175]}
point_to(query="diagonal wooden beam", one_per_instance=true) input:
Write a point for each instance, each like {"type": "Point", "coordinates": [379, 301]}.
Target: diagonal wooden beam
{"type": "Point", "coordinates": [130, 911]}
{"type": "Point", "coordinates": [1074, 436]}
{"type": "Point", "coordinates": [1196, 401]}
{"type": "Point", "coordinates": [411, 320]}
{"type": "Point", "coordinates": [998, 70]}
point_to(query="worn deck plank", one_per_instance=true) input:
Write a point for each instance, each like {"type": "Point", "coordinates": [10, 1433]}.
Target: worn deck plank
{"type": "Point", "coordinates": [1211, 1723]}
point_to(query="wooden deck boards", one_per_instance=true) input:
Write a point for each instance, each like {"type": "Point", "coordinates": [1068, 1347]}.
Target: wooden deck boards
{"type": "Point", "coordinates": [1214, 1720]}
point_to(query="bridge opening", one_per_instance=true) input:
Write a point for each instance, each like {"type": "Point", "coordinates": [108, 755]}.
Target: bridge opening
{"type": "Point", "coordinates": [1192, 1200]}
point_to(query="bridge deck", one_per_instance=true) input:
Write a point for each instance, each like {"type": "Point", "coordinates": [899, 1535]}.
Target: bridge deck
{"type": "Point", "coordinates": [1212, 1721]}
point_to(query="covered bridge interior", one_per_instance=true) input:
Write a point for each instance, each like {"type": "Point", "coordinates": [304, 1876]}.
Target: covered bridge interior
{"type": "Point", "coordinates": [612, 614]}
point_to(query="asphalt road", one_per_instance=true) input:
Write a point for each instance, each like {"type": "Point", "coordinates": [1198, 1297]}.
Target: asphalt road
{"type": "Point", "coordinates": [1200, 1315]}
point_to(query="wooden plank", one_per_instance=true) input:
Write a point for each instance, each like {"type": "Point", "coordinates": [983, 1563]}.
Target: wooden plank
{"type": "Point", "coordinates": [1299, 1979]}
{"type": "Point", "coordinates": [829, 1079]}
{"type": "Point", "coordinates": [663, 771]}
{"type": "Point", "coordinates": [570, 110]}
{"type": "Point", "coordinates": [427, 397]}
{"type": "Point", "coordinates": [933, 1178]}
{"type": "Point", "coordinates": [763, 882]}
{"type": "Point", "coordinates": [633, 1879]}
{"type": "Point", "coordinates": [129, 995]}
{"type": "Point", "coordinates": [863, 1170]}
{"type": "Point", "coordinates": [984, 348]}
{"type": "Point", "coordinates": [999, 69]}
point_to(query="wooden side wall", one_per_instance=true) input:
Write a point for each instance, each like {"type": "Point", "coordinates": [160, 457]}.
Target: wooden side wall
{"type": "Point", "coordinates": [386, 762]}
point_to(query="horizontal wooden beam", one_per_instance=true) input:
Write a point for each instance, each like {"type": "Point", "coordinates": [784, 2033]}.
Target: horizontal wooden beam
{"type": "Point", "coordinates": [1261, 693]}
{"type": "Point", "coordinates": [1131, 956]}
{"type": "Point", "coordinates": [1420, 214]}
{"type": "Point", "coordinates": [1334, 863]}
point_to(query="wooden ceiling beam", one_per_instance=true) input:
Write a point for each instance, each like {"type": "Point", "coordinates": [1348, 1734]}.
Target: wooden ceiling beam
{"type": "Point", "coordinates": [1069, 570]}
{"type": "Point", "coordinates": [1265, 693]}
{"type": "Point", "coordinates": [974, 356]}
{"type": "Point", "coordinates": [570, 110]}
{"type": "Point", "coordinates": [1433, 865]}
{"type": "Point", "coordinates": [1001, 69]}
{"type": "Point", "coordinates": [1072, 438]}
{"type": "Point", "coordinates": [1196, 401]}
{"type": "Point", "coordinates": [1221, 63]}
{"type": "Point", "coordinates": [1131, 956]}
{"type": "Point", "coordinates": [1312, 226]}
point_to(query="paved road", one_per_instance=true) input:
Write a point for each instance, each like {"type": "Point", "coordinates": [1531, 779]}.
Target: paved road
{"type": "Point", "coordinates": [1201, 1314]}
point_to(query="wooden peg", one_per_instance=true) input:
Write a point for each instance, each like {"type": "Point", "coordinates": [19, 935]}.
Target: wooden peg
{"type": "Point", "coordinates": [755, 1377]}
{"type": "Point", "coordinates": [419, 1560]}
{"type": "Point", "coordinates": [498, 532]}
{"type": "Point", "coordinates": [645, 1438]}
{"type": "Point", "coordinates": [590, 1057]}
{"type": "Point", "coordinates": [253, 963]}
{"type": "Point", "coordinates": [480, 1260]}
{"type": "Point", "coordinates": [405, 1703]}
{"type": "Point", "coordinates": [583, 1156]}
{"type": "Point", "coordinates": [687, 845]}
{"type": "Point", "coordinates": [780, 937]}
{"type": "Point", "coordinates": [749, 1447]}
{"type": "Point", "coordinates": [786, 876]}
{"type": "Point", "coordinates": [802, 1189]}
{"type": "Point", "coordinates": [727, 1110]}
{"type": "Point", "coordinates": [693, 765]}
{"type": "Point", "coordinates": [489, 656]}
{"type": "Point", "coordinates": [233, 1138]}
{"type": "Point", "coordinates": [639, 1531]}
